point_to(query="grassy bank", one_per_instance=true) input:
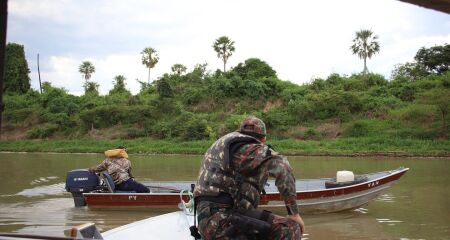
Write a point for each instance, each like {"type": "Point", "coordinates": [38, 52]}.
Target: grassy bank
{"type": "Point", "coordinates": [339, 147]}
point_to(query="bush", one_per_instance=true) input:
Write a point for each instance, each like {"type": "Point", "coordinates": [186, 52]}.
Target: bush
{"type": "Point", "coordinates": [357, 129]}
{"type": "Point", "coordinates": [19, 101]}
{"type": "Point", "coordinates": [60, 119]}
{"type": "Point", "coordinates": [277, 118]}
{"type": "Point", "coordinates": [108, 116]}
{"type": "Point", "coordinates": [232, 122]}
{"type": "Point", "coordinates": [416, 133]}
{"type": "Point", "coordinates": [19, 115]}
{"type": "Point", "coordinates": [422, 114]}
{"type": "Point", "coordinates": [135, 133]}
{"type": "Point", "coordinates": [310, 133]}
{"type": "Point", "coordinates": [196, 130]}
{"type": "Point", "coordinates": [44, 131]}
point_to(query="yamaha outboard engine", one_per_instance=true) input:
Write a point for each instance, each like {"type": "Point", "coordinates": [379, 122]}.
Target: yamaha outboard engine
{"type": "Point", "coordinates": [80, 181]}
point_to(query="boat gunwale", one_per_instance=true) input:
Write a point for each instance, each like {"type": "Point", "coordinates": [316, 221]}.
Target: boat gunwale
{"type": "Point", "coordinates": [389, 174]}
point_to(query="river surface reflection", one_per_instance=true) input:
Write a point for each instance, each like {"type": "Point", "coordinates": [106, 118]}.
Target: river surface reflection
{"type": "Point", "coordinates": [33, 199]}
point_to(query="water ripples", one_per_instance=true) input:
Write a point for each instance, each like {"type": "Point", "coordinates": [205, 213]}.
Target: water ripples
{"type": "Point", "coordinates": [362, 210]}
{"type": "Point", "coordinates": [387, 197]}
{"type": "Point", "coordinates": [389, 222]}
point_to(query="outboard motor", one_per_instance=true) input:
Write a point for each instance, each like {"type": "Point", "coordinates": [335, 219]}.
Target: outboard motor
{"type": "Point", "coordinates": [80, 181]}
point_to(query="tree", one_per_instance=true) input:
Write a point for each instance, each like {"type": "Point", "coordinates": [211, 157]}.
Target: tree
{"type": "Point", "coordinates": [365, 45]}
{"type": "Point", "coordinates": [434, 59]}
{"type": "Point", "coordinates": [253, 69]}
{"type": "Point", "coordinates": [119, 85]}
{"type": "Point", "coordinates": [86, 69]}
{"type": "Point", "coordinates": [163, 87]}
{"type": "Point", "coordinates": [16, 69]}
{"type": "Point", "coordinates": [411, 71]}
{"type": "Point", "coordinates": [224, 48]}
{"type": "Point", "coordinates": [90, 88]}
{"type": "Point", "coordinates": [149, 59]}
{"type": "Point", "coordinates": [178, 69]}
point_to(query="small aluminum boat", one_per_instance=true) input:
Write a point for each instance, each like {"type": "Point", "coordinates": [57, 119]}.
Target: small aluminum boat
{"type": "Point", "coordinates": [315, 195]}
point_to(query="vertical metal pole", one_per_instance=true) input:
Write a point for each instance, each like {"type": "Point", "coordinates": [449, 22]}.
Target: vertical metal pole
{"type": "Point", "coordinates": [39, 73]}
{"type": "Point", "coordinates": [3, 25]}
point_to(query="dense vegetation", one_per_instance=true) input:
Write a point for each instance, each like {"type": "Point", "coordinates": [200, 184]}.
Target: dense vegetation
{"type": "Point", "coordinates": [202, 105]}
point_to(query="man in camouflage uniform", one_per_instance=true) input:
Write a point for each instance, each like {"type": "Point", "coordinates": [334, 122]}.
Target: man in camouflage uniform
{"type": "Point", "coordinates": [119, 167]}
{"type": "Point", "coordinates": [231, 178]}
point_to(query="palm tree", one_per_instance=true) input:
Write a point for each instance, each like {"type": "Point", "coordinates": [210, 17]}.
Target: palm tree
{"type": "Point", "coordinates": [149, 59]}
{"type": "Point", "coordinates": [86, 69]}
{"type": "Point", "coordinates": [224, 48]}
{"type": "Point", "coordinates": [119, 85]}
{"type": "Point", "coordinates": [178, 69]}
{"type": "Point", "coordinates": [365, 45]}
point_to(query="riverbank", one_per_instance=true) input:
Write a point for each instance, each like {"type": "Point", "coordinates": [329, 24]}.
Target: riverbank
{"type": "Point", "coordinates": [337, 147]}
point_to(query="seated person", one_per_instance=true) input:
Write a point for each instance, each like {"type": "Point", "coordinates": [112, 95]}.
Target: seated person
{"type": "Point", "coordinates": [119, 167]}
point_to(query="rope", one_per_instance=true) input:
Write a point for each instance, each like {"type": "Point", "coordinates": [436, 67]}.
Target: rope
{"type": "Point", "coordinates": [189, 206]}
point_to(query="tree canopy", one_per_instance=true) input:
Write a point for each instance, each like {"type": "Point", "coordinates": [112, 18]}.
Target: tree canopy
{"type": "Point", "coordinates": [178, 69]}
{"type": "Point", "coordinates": [16, 69]}
{"type": "Point", "coordinates": [254, 68]}
{"type": "Point", "coordinates": [119, 86]}
{"type": "Point", "coordinates": [434, 59]}
{"type": "Point", "coordinates": [86, 69]}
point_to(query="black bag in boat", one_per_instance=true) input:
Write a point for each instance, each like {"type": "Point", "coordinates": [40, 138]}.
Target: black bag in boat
{"type": "Point", "coordinates": [334, 184]}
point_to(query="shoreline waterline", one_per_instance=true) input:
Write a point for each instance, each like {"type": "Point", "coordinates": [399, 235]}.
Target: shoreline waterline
{"type": "Point", "coordinates": [345, 147]}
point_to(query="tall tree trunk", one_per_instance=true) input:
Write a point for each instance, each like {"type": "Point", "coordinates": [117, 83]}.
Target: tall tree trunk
{"type": "Point", "coordinates": [149, 75]}
{"type": "Point", "coordinates": [224, 63]}
{"type": "Point", "coordinates": [365, 66]}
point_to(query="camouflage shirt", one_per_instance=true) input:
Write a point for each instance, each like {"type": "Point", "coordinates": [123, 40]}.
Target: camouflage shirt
{"type": "Point", "coordinates": [255, 162]}
{"type": "Point", "coordinates": [118, 168]}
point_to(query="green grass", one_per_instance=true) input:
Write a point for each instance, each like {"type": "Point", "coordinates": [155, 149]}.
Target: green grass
{"type": "Point", "coordinates": [338, 147]}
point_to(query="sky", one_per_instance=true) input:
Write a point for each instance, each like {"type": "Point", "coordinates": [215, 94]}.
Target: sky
{"type": "Point", "coordinates": [300, 40]}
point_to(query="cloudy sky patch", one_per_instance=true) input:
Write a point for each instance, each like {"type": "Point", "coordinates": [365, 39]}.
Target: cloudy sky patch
{"type": "Point", "coordinates": [300, 40]}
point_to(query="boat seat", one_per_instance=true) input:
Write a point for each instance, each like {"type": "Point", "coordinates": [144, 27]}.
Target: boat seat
{"type": "Point", "coordinates": [111, 185]}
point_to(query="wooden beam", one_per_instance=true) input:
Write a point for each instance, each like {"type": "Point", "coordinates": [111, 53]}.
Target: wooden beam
{"type": "Point", "coordinates": [438, 5]}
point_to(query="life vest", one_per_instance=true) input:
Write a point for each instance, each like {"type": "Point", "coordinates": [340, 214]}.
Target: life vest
{"type": "Point", "coordinates": [217, 174]}
{"type": "Point", "coordinates": [116, 153]}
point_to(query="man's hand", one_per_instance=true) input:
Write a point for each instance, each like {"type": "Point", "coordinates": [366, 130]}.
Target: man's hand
{"type": "Point", "coordinates": [296, 218]}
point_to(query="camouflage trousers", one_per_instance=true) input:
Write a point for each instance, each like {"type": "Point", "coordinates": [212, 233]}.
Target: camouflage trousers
{"type": "Point", "coordinates": [214, 222]}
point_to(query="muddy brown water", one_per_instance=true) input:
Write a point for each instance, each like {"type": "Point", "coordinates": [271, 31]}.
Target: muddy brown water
{"type": "Point", "coordinates": [33, 199]}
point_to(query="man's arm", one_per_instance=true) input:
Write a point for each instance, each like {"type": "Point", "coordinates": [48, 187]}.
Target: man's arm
{"type": "Point", "coordinates": [280, 169]}
{"type": "Point", "coordinates": [99, 168]}
{"type": "Point", "coordinates": [129, 173]}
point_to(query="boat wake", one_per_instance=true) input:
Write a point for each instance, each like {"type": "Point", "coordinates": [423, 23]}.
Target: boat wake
{"type": "Point", "coordinates": [53, 189]}
{"type": "Point", "coordinates": [43, 180]}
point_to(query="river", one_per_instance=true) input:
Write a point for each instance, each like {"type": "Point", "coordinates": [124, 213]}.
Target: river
{"type": "Point", "coordinates": [33, 199]}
